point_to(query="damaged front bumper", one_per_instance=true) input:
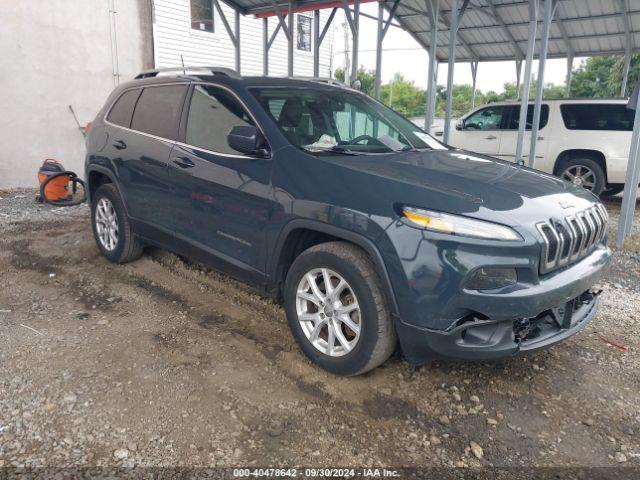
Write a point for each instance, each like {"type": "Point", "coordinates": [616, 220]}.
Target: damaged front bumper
{"type": "Point", "coordinates": [477, 339]}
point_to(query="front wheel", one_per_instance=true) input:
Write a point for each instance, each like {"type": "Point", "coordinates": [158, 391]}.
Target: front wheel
{"type": "Point", "coordinates": [337, 310]}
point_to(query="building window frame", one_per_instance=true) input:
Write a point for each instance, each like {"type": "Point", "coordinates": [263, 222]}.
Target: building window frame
{"type": "Point", "coordinates": [304, 22]}
{"type": "Point", "coordinates": [202, 25]}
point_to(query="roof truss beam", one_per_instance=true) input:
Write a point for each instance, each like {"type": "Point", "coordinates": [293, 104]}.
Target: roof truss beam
{"type": "Point", "coordinates": [498, 19]}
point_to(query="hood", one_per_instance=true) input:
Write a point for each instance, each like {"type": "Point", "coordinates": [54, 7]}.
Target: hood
{"type": "Point", "coordinates": [462, 182]}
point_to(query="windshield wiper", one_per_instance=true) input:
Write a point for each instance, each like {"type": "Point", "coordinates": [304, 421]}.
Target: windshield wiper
{"type": "Point", "coordinates": [337, 149]}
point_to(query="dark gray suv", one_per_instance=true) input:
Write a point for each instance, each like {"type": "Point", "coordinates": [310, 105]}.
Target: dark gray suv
{"type": "Point", "coordinates": [372, 233]}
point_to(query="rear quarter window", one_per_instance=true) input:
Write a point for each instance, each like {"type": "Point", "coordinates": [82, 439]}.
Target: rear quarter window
{"type": "Point", "coordinates": [122, 110]}
{"type": "Point", "coordinates": [158, 110]}
{"type": "Point", "coordinates": [597, 116]}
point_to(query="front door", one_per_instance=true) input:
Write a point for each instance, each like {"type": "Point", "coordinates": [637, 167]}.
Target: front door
{"type": "Point", "coordinates": [481, 132]}
{"type": "Point", "coordinates": [225, 198]}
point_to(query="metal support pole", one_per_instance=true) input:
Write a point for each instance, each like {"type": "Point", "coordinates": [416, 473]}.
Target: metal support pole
{"type": "Point", "coordinates": [379, 38]}
{"type": "Point", "coordinates": [627, 209]}
{"type": "Point", "coordinates": [518, 76]}
{"type": "Point", "coordinates": [290, 39]}
{"type": "Point", "coordinates": [356, 37]}
{"type": "Point", "coordinates": [265, 46]}
{"type": "Point", "coordinates": [549, 10]}
{"type": "Point", "coordinates": [474, 74]}
{"type": "Point", "coordinates": [430, 110]}
{"type": "Point", "coordinates": [569, 74]}
{"type": "Point", "coordinates": [625, 68]}
{"type": "Point", "coordinates": [453, 33]}
{"type": "Point", "coordinates": [316, 43]}
{"type": "Point", "coordinates": [526, 86]}
{"type": "Point", "coordinates": [237, 35]}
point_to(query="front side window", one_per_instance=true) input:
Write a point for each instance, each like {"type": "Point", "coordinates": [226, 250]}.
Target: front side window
{"type": "Point", "coordinates": [304, 33]}
{"type": "Point", "coordinates": [514, 117]}
{"type": "Point", "coordinates": [489, 118]}
{"type": "Point", "coordinates": [202, 15]}
{"type": "Point", "coordinates": [158, 110]}
{"type": "Point", "coordinates": [213, 112]}
{"type": "Point", "coordinates": [597, 116]}
{"type": "Point", "coordinates": [339, 120]}
{"type": "Point", "coordinates": [122, 110]}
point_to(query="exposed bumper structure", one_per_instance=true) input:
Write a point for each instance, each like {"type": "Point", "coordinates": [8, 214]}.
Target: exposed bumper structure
{"type": "Point", "coordinates": [506, 323]}
{"type": "Point", "coordinates": [491, 339]}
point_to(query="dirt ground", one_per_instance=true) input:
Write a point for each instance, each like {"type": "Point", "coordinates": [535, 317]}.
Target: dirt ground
{"type": "Point", "coordinates": [163, 362]}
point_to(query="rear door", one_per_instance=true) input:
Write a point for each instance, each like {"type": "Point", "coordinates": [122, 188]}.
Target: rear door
{"type": "Point", "coordinates": [224, 197]}
{"type": "Point", "coordinates": [604, 127]}
{"type": "Point", "coordinates": [510, 134]}
{"type": "Point", "coordinates": [141, 152]}
{"type": "Point", "coordinates": [481, 131]}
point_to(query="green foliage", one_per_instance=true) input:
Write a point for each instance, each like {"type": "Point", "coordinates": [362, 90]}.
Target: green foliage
{"type": "Point", "coordinates": [366, 77]}
{"type": "Point", "coordinates": [602, 76]}
{"type": "Point", "coordinates": [595, 77]}
{"type": "Point", "coordinates": [403, 96]}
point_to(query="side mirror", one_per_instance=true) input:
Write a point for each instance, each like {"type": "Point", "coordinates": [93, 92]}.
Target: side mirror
{"type": "Point", "coordinates": [460, 124]}
{"type": "Point", "coordinates": [356, 84]}
{"type": "Point", "coordinates": [247, 139]}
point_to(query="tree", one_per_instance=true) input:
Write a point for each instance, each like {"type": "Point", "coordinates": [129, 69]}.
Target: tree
{"type": "Point", "coordinates": [602, 76]}
{"type": "Point", "coordinates": [366, 77]}
{"type": "Point", "coordinates": [404, 96]}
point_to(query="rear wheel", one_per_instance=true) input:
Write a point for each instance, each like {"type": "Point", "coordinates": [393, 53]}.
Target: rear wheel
{"type": "Point", "coordinates": [585, 173]}
{"type": "Point", "coordinates": [336, 309]}
{"type": "Point", "coordinates": [111, 227]}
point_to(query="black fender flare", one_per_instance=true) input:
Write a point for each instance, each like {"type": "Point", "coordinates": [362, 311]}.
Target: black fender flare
{"type": "Point", "coordinates": [347, 235]}
{"type": "Point", "coordinates": [108, 173]}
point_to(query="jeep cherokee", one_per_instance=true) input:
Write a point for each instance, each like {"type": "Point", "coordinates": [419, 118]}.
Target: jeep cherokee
{"type": "Point", "coordinates": [372, 233]}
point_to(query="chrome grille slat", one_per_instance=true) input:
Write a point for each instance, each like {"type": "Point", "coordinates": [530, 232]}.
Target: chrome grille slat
{"type": "Point", "coordinates": [571, 238]}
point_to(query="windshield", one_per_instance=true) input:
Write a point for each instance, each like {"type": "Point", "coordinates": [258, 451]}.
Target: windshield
{"type": "Point", "coordinates": [342, 121]}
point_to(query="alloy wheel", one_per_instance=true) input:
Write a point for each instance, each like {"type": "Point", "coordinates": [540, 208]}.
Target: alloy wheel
{"type": "Point", "coordinates": [106, 224]}
{"type": "Point", "coordinates": [581, 176]}
{"type": "Point", "coordinates": [328, 312]}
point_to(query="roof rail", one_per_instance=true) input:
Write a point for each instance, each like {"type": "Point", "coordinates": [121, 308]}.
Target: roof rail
{"type": "Point", "coordinates": [328, 81]}
{"type": "Point", "coordinates": [185, 70]}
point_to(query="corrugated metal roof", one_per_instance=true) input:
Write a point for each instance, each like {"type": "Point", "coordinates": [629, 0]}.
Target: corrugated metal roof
{"type": "Point", "coordinates": [580, 27]}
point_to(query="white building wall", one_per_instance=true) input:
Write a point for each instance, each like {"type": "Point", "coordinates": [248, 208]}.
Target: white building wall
{"type": "Point", "coordinates": [57, 53]}
{"type": "Point", "coordinates": [173, 37]}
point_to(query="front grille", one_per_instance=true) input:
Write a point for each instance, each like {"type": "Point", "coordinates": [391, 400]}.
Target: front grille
{"type": "Point", "coordinates": [571, 238]}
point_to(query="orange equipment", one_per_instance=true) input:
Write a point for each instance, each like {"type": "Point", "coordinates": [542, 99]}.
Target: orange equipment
{"type": "Point", "coordinates": [54, 184]}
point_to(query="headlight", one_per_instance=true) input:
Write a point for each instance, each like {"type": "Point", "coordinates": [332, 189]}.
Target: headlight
{"type": "Point", "coordinates": [458, 225]}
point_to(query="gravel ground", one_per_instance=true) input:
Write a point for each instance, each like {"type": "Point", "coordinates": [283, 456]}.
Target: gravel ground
{"type": "Point", "coordinates": [163, 362]}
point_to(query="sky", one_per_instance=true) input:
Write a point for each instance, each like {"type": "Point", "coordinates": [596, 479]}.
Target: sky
{"type": "Point", "coordinates": [402, 54]}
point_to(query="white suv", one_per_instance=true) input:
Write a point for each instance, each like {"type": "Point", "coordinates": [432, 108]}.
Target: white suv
{"type": "Point", "coordinates": [585, 141]}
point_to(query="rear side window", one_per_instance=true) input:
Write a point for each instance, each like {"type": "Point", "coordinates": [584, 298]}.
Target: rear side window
{"type": "Point", "coordinates": [122, 110]}
{"type": "Point", "coordinates": [212, 114]}
{"type": "Point", "coordinates": [597, 116]}
{"type": "Point", "coordinates": [514, 117]}
{"type": "Point", "coordinates": [158, 110]}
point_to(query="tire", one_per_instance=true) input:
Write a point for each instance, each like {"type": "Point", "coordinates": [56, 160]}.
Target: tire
{"type": "Point", "coordinates": [612, 190]}
{"type": "Point", "coordinates": [372, 342]}
{"type": "Point", "coordinates": [122, 247]}
{"type": "Point", "coordinates": [590, 169]}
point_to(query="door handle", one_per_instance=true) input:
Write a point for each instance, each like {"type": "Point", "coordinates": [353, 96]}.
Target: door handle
{"type": "Point", "coordinates": [539, 138]}
{"type": "Point", "coordinates": [490, 137]}
{"type": "Point", "coordinates": [119, 144]}
{"type": "Point", "coordinates": [184, 162]}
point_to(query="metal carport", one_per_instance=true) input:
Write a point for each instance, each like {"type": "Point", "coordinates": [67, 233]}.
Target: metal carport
{"type": "Point", "coordinates": [476, 31]}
